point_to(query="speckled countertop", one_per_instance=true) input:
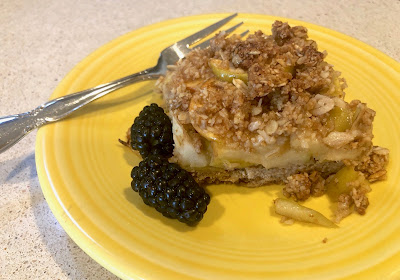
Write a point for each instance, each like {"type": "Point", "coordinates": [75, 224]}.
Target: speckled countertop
{"type": "Point", "coordinates": [41, 41]}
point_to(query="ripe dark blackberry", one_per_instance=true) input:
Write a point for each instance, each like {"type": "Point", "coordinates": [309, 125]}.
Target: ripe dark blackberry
{"type": "Point", "coordinates": [151, 132]}
{"type": "Point", "coordinates": [170, 189]}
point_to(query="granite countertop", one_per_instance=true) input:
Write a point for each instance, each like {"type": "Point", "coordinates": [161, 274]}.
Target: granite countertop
{"type": "Point", "coordinates": [41, 41]}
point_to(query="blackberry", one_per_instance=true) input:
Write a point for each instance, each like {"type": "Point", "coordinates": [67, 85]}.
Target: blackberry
{"type": "Point", "coordinates": [151, 132]}
{"type": "Point", "coordinates": [170, 189]}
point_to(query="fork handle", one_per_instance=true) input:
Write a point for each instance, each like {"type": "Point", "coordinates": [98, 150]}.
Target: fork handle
{"type": "Point", "coordinates": [14, 127]}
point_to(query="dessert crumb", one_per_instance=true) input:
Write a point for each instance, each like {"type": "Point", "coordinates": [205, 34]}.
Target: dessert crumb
{"type": "Point", "coordinates": [286, 220]}
{"type": "Point", "coordinates": [325, 240]}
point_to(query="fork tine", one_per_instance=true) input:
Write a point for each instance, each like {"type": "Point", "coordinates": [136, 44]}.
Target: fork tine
{"type": "Point", "coordinates": [205, 32]}
{"type": "Point", "coordinates": [244, 33]}
{"type": "Point", "coordinates": [206, 43]}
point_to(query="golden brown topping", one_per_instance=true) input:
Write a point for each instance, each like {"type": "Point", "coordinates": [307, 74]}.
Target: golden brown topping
{"type": "Point", "coordinates": [318, 187]}
{"type": "Point", "coordinates": [311, 57]}
{"type": "Point", "coordinates": [360, 200]}
{"type": "Point", "coordinates": [250, 93]}
{"type": "Point", "coordinates": [298, 187]}
{"type": "Point", "coordinates": [281, 32]}
{"type": "Point", "coordinates": [373, 166]}
{"type": "Point", "coordinates": [266, 78]}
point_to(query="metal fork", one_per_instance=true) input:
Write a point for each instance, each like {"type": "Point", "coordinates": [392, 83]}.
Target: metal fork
{"type": "Point", "coordinates": [13, 128]}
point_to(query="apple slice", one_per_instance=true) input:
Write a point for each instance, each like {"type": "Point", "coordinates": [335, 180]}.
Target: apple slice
{"type": "Point", "coordinates": [293, 210]}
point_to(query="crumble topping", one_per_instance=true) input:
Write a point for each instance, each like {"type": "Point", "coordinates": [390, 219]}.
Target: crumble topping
{"type": "Point", "coordinates": [303, 185]}
{"type": "Point", "coordinates": [373, 165]}
{"type": "Point", "coordinates": [357, 198]}
{"type": "Point", "coordinates": [298, 187]}
{"type": "Point", "coordinates": [360, 200]}
{"type": "Point", "coordinates": [282, 86]}
{"type": "Point", "coordinates": [318, 187]}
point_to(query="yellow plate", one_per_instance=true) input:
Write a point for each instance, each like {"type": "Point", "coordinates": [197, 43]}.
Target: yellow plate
{"type": "Point", "coordinates": [85, 176]}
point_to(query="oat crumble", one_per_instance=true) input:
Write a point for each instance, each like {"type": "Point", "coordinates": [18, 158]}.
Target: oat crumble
{"type": "Point", "coordinates": [290, 89]}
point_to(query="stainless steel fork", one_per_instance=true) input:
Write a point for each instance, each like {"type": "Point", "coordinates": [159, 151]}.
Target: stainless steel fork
{"type": "Point", "coordinates": [13, 128]}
